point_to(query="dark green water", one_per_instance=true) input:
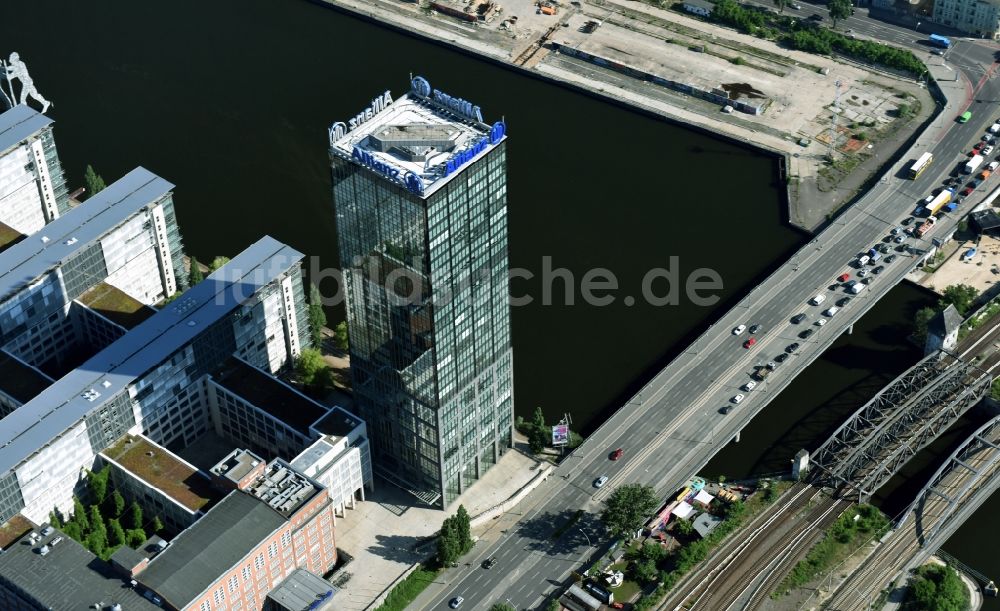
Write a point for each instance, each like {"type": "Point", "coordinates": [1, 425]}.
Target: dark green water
{"type": "Point", "coordinates": [231, 100]}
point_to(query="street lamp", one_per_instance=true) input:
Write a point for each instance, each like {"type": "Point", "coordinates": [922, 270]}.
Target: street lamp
{"type": "Point", "coordinates": [588, 537]}
{"type": "Point", "coordinates": [917, 29]}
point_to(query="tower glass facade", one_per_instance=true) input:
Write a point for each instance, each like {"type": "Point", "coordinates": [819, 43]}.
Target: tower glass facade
{"type": "Point", "coordinates": [426, 280]}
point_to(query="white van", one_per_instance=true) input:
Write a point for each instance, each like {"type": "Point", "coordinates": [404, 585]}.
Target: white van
{"type": "Point", "coordinates": [858, 287]}
{"type": "Point", "coordinates": [929, 199]}
{"type": "Point", "coordinates": [818, 299]}
{"type": "Point", "coordinates": [830, 311]}
{"type": "Point", "coordinates": [863, 259]}
{"type": "Point", "coordinates": [995, 128]}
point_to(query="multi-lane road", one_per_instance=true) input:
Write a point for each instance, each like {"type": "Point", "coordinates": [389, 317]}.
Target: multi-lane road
{"type": "Point", "coordinates": [676, 423]}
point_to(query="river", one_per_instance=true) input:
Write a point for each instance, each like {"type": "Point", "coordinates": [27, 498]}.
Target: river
{"type": "Point", "coordinates": [231, 100]}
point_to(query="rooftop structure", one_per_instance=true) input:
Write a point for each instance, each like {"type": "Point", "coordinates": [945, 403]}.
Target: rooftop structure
{"type": "Point", "coordinates": [56, 572]}
{"type": "Point", "coordinates": [303, 591]}
{"type": "Point", "coordinates": [101, 385]}
{"type": "Point", "coordinates": [269, 394]}
{"type": "Point", "coordinates": [116, 305]}
{"type": "Point", "coordinates": [283, 488]}
{"type": "Point", "coordinates": [417, 141]}
{"type": "Point", "coordinates": [32, 186]}
{"type": "Point", "coordinates": [222, 538]}
{"type": "Point", "coordinates": [162, 470]}
{"type": "Point", "coordinates": [238, 467]}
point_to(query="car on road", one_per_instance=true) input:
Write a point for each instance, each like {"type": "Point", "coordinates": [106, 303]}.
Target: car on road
{"type": "Point", "coordinates": [862, 273]}
{"type": "Point", "coordinates": [781, 358]}
{"type": "Point", "coordinates": [597, 484]}
{"type": "Point", "coordinates": [993, 166]}
{"type": "Point", "coordinates": [726, 409]}
{"type": "Point", "coordinates": [489, 563]}
{"type": "Point", "coordinates": [616, 454]}
{"type": "Point", "coordinates": [771, 365]}
{"type": "Point", "coordinates": [968, 191]}
{"type": "Point", "coordinates": [792, 348]}
{"type": "Point", "coordinates": [739, 329]}
{"type": "Point", "coordinates": [988, 149]}
{"type": "Point", "coordinates": [842, 302]}
{"type": "Point", "coordinates": [815, 17]}
{"type": "Point", "coordinates": [902, 248]}
{"type": "Point", "coordinates": [456, 602]}
{"type": "Point", "coordinates": [797, 7]}
{"type": "Point", "coordinates": [890, 259]}
{"type": "Point", "coordinates": [878, 270]}
{"type": "Point", "coordinates": [820, 322]}
{"type": "Point", "coordinates": [883, 248]}
{"type": "Point", "coordinates": [798, 318]}
{"type": "Point", "coordinates": [750, 342]}
{"type": "Point", "coordinates": [737, 399]}
{"type": "Point", "coordinates": [830, 311]}
{"type": "Point", "coordinates": [896, 231]}
{"type": "Point", "coordinates": [805, 334]}
{"type": "Point", "coordinates": [907, 220]}
{"type": "Point", "coordinates": [862, 260]}
{"type": "Point", "coordinates": [750, 386]}
{"type": "Point", "coordinates": [754, 328]}
{"type": "Point", "coordinates": [986, 138]}
{"type": "Point", "coordinates": [900, 239]}
{"type": "Point", "coordinates": [843, 277]}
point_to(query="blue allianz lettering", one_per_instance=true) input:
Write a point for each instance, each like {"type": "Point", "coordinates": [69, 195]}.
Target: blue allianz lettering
{"type": "Point", "coordinates": [458, 105]}
{"type": "Point", "coordinates": [379, 104]}
{"type": "Point", "coordinates": [370, 161]}
{"type": "Point", "coordinates": [497, 132]}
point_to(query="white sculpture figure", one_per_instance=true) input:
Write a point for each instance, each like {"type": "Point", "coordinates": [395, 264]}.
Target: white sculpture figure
{"type": "Point", "coordinates": [15, 69]}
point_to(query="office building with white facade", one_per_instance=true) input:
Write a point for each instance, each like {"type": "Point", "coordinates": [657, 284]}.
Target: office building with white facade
{"type": "Point", "coordinates": [125, 236]}
{"type": "Point", "coordinates": [32, 185]}
{"type": "Point", "coordinates": [981, 18]}
{"type": "Point", "coordinates": [151, 380]}
{"type": "Point", "coordinates": [420, 195]}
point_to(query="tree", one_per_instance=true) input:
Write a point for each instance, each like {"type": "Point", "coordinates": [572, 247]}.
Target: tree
{"type": "Point", "coordinates": [341, 336]}
{"type": "Point", "coordinates": [937, 588]}
{"type": "Point", "coordinates": [781, 4]}
{"type": "Point", "coordinates": [157, 524]}
{"type": "Point", "coordinates": [309, 365]}
{"type": "Point", "coordinates": [645, 571]}
{"type": "Point", "coordinates": [317, 317]}
{"type": "Point", "coordinates": [195, 275]}
{"type": "Point", "coordinates": [93, 181]}
{"type": "Point", "coordinates": [135, 515]}
{"type": "Point", "coordinates": [463, 527]}
{"type": "Point", "coordinates": [840, 9]}
{"type": "Point", "coordinates": [538, 418]}
{"type": "Point", "coordinates": [117, 503]}
{"type": "Point", "coordinates": [97, 520]}
{"type": "Point", "coordinates": [685, 528]}
{"type": "Point", "coordinates": [628, 508]}
{"type": "Point", "coordinates": [502, 607]}
{"type": "Point", "coordinates": [97, 482]}
{"type": "Point", "coordinates": [116, 534]}
{"type": "Point", "coordinates": [218, 262]}
{"type": "Point", "coordinates": [959, 295]}
{"type": "Point", "coordinates": [72, 530]}
{"type": "Point", "coordinates": [54, 518]}
{"type": "Point", "coordinates": [80, 516]}
{"type": "Point", "coordinates": [448, 544]}
{"type": "Point", "coordinates": [538, 436]}
{"type": "Point", "coordinates": [920, 321]}
{"type": "Point", "coordinates": [96, 542]}
{"type": "Point", "coordinates": [135, 537]}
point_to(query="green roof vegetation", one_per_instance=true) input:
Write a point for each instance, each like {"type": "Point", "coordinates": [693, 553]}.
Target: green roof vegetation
{"type": "Point", "coordinates": [9, 236]}
{"type": "Point", "coordinates": [13, 529]}
{"type": "Point", "coordinates": [156, 466]}
{"type": "Point", "coordinates": [116, 305]}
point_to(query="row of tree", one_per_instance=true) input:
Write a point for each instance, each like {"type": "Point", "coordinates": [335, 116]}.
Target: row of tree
{"type": "Point", "coordinates": [814, 38]}
{"type": "Point", "coordinates": [99, 534]}
{"type": "Point", "coordinates": [455, 538]}
{"type": "Point", "coordinates": [962, 296]}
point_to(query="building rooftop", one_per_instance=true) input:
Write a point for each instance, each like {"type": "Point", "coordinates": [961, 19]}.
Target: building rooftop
{"type": "Point", "coordinates": [9, 236]}
{"type": "Point", "coordinates": [20, 381]}
{"type": "Point", "coordinates": [67, 577]}
{"type": "Point", "coordinates": [112, 370]}
{"type": "Point", "coordinates": [78, 229]}
{"type": "Point", "coordinates": [116, 305]}
{"type": "Point", "coordinates": [237, 465]}
{"type": "Point", "coordinates": [338, 422]}
{"type": "Point", "coordinates": [209, 547]}
{"type": "Point", "coordinates": [13, 529]}
{"type": "Point", "coordinates": [283, 488]}
{"type": "Point", "coordinates": [418, 141]}
{"type": "Point", "coordinates": [269, 394]}
{"type": "Point", "coordinates": [18, 124]}
{"type": "Point", "coordinates": [302, 590]}
{"type": "Point", "coordinates": [161, 469]}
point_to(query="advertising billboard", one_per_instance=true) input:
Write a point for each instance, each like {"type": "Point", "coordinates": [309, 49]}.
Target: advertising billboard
{"type": "Point", "coordinates": [560, 435]}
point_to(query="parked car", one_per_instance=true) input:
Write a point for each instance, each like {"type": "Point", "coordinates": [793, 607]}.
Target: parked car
{"type": "Point", "coordinates": [739, 329]}
{"type": "Point", "coordinates": [597, 484]}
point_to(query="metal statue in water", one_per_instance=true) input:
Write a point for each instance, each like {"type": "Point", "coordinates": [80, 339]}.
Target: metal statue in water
{"type": "Point", "coordinates": [14, 69]}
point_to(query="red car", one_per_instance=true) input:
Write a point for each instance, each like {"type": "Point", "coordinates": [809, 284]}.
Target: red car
{"type": "Point", "coordinates": [843, 277]}
{"type": "Point", "coordinates": [750, 342]}
{"type": "Point", "coordinates": [966, 191]}
{"type": "Point", "coordinates": [617, 454]}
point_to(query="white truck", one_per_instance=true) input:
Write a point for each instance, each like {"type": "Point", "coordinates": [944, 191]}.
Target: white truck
{"type": "Point", "coordinates": [973, 164]}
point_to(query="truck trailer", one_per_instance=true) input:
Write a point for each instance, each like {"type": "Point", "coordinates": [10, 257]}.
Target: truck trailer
{"type": "Point", "coordinates": [925, 227]}
{"type": "Point", "coordinates": [973, 164]}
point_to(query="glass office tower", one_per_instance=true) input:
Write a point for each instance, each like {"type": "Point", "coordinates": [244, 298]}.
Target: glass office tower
{"type": "Point", "coordinates": [419, 190]}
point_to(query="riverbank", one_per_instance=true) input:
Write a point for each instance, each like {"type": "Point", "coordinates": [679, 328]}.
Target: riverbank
{"type": "Point", "coordinates": [877, 113]}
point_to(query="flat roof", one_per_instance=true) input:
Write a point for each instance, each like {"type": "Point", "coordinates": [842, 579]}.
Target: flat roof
{"type": "Point", "coordinates": [163, 470]}
{"type": "Point", "coordinates": [116, 305]}
{"type": "Point", "coordinates": [74, 231]}
{"type": "Point", "coordinates": [68, 577]}
{"type": "Point", "coordinates": [416, 135]}
{"type": "Point", "coordinates": [236, 465]}
{"type": "Point", "coordinates": [9, 236]}
{"type": "Point", "coordinates": [112, 370]}
{"type": "Point", "coordinates": [210, 547]}
{"type": "Point", "coordinates": [269, 394]}
{"type": "Point", "coordinates": [338, 422]}
{"type": "Point", "coordinates": [20, 380]}
{"type": "Point", "coordinates": [20, 123]}
{"type": "Point", "coordinates": [302, 590]}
